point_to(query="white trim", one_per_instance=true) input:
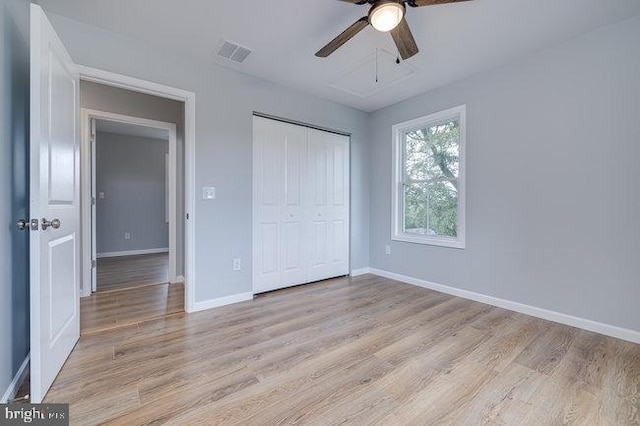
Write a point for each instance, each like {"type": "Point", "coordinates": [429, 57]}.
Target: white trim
{"type": "Point", "coordinates": [222, 301]}
{"type": "Point", "coordinates": [131, 83]}
{"type": "Point", "coordinates": [585, 324]}
{"type": "Point", "coordinates": [11, 391]}
{"type": "Point", "coordinates": [133, 253]}
{"type": "Point", "coordinates": [189, 99]}
{"type": "Point", "coordinates": [397, 176]}
{"type": "Point", "coordinates": [361, 271]}
{"type": "Point", "coordinates": [88, 117]}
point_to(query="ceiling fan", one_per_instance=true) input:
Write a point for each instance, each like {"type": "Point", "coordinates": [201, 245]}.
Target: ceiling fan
{"type": "Point", "coordinates": [384, 16]}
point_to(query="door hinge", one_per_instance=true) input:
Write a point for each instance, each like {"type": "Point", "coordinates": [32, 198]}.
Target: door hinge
{"type": "Point", "coordinates": [187, 216]}
{"type": "Point", "coordinates": [93, 263]}
{"type": "Point", "coordinates": [93, 201]}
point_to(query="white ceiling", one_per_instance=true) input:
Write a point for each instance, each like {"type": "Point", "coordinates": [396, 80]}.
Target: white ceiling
{"type": "Point", "coordinates": [127, 129]}
{"type": "Point", "coordinates": [455, 40]}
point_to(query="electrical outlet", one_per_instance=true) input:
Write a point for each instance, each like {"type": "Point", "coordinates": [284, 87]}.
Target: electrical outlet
{"type": "Point", "coordinates": [237, 264]}
{"type": "Point", "coordinates": [127, 235]}
{"type": "Point", "coordinates": [387, 249]}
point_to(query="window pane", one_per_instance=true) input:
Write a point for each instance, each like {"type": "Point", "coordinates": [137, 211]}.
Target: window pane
{"type": "Point", "coordinates": [415, 209]}
{"type": "Point", "coordinates": [432, 153]}
{"type": "Point", "coordinates": [431, 209]}
{"type": "Point", "coordinates": [442, 209]}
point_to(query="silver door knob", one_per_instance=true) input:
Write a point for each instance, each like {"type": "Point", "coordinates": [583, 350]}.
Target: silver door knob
{"type": "Point", "coordinates": [23, 225]}
{"type": "Point", "coordinates": [55, 224]}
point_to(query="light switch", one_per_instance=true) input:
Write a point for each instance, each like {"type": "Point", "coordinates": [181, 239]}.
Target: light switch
{"type": "Point", "coordinates": [209, 193]}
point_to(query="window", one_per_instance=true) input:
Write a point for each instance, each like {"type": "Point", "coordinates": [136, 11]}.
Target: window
{"type": "Point", "coordinates": [429, 179]}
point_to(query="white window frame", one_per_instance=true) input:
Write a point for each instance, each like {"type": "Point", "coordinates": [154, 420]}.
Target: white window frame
{"type": "Point", "coordinates": [458, 113]}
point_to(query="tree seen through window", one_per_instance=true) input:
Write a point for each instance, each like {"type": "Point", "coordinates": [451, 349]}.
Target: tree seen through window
{"type": "Point", "coordinates": [431, 169]}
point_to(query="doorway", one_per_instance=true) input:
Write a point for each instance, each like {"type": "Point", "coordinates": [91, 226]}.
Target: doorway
{"type": "Point", "coordinates": [133, 221]}
{"type": "Point", "coordinates": [133, 197]}
{"type": "Point", "coordinates": [134, 218]}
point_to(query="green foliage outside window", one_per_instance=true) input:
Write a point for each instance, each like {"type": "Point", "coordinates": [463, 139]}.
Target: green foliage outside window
{"type": "Point", "coordinates": [431, 167]}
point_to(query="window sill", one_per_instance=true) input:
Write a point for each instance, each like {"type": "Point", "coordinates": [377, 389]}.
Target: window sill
{"type": "Point", "coordinates": [431, 241]}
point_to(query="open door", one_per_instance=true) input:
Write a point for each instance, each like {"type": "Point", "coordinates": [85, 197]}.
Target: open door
{"type": "Point", "coordinates": [54, 203]}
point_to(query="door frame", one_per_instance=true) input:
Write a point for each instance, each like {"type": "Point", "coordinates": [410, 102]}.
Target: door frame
{"type": "Point", "coordinates": [88, 144]}
{"type": "Point", "coordinates": [189, 99]}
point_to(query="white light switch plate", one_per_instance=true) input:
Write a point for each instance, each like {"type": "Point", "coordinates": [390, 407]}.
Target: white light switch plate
{"type": "Point", "coordinates": [208, 193]}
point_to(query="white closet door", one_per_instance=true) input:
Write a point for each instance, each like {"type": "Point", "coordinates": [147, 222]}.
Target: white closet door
{"type": "Point", "coordinates": [279, 165]}
{"type": "Point", "coordinates": [292, 211]}
{"type": "Point", "coordinates": [328, 234]}
{"type": "Point", "coordinates": [301, 205]}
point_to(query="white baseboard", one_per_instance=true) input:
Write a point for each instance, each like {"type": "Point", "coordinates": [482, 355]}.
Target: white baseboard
{"type": "Point", "coordinates": [585, 324]}
{"type": "Point", "coordinates": [132, 252]}
{"type": "Point", "coordinates": [17, 381]}
{"type": "Point", "coordinates": [361, 271]}
{"type": "Point", "coordinates": [221, 301]}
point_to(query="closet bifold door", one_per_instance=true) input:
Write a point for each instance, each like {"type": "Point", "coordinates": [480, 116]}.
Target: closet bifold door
{"type": "Point", "coordinates": [300, 205]}
{"type": "Point", "coordinates": [280, 151]}
{"type": "Point", "coordinates": [328, 225]}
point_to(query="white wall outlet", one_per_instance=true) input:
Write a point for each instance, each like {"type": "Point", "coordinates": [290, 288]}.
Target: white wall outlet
{"type": "Point", "coordinates": [208, 193]}
{"type": "Point", "coordinates": [127, 235]}
{"type": "Point", "coordinates": [387, 249]}
{"type": "Point", "coordinates": [101, 195]}
{"type": "Point", "coordinates": [237, 264]}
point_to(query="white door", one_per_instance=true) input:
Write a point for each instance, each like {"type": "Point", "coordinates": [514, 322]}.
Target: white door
{"type": "Point", "coordinates": [54, 204]}
{"type": "Point", "coordinates": [328, 239]}
{"type": "Point", "coordinates": [279, 164]}
{"type": "Point", "coordinates": [301, 205]}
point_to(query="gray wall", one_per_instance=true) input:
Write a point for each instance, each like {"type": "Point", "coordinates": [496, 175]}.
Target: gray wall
{"type": "Point", "coordinates": [130, 172]}
{"type": "Point", "coordinates": [225, 101]}
{"type": "Point", "coordinates": [14, 181]}
{"type": "Point", "coordinates": [553, 181]}
{"type": "Point", "coordinates": [109, 99]}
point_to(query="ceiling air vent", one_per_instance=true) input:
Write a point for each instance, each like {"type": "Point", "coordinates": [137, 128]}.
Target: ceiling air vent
{"type": "Point", "coordinates": [233, 51]}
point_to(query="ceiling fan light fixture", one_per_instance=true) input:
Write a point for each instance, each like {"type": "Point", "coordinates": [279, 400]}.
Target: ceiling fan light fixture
{"type": "Point", "coordinates": [386, 15]}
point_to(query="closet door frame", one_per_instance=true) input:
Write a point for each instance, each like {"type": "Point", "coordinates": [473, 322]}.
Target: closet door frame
{"type": "Point", "coordinates": [257, 182]}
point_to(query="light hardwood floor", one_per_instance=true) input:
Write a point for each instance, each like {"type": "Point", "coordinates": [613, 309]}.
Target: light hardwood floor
{"type": "Point", "coordinates": [360, 351]}
{"type": "Point", "coordinates": [124, 307]}
{"type": "Point", "coordinates": [116, 273]}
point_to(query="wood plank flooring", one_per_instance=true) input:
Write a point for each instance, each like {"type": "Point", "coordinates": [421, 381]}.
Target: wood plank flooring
{"type": "Point", "coordinates": [116, 273]}
{"type": "Point", "coordinates": [124, 307]}
{"type": "Point", "coordinates": [360, 351]}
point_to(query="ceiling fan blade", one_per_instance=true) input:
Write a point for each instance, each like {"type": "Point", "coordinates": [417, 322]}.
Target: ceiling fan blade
{"type": "Point", "coordinates": [344, 37]}
{"type": "Point", "coordinates": [419, 3]}
{"type": "Point", "coordinates": [404, 40]}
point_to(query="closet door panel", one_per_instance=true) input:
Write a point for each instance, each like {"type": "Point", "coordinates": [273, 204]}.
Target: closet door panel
{"type": "Point", "coordinates": [268, 196]}
{"type": "Point", "coordinates": [293, 259]}
{"type": "Point", "coordinates": [318, 235]}
{"type": "Point", "coordinates": [339, 205]}
{"type": "Point", "coordinates": [328, 165]}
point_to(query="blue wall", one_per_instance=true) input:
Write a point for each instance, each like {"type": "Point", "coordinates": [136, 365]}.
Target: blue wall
{"type": "Point", "coordinates": [552, 181]}
{"type": "Point", "coordinates": [14, 185]}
